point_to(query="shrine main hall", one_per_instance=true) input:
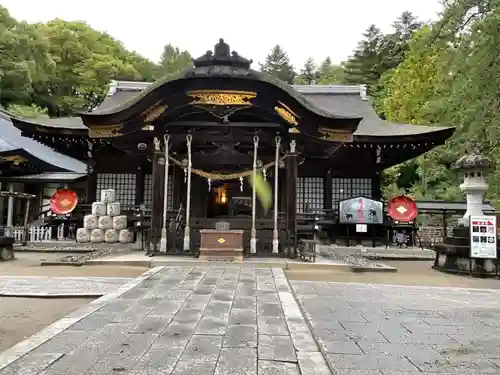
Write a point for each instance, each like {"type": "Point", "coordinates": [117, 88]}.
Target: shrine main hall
{"type": "Point", "coordinates": [187, 146]}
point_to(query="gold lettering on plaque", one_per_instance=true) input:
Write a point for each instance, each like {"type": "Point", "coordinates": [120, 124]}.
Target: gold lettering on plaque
{"type": "Point", "coordinates": [335, 135]}
{"type": "Point", "coordinates": [213, 97]}
{"type": "Point", "coordinates": [105, 131]}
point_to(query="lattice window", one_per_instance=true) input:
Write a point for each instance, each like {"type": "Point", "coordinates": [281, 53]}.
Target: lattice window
{"type": "Point", "coordinates": [148, 191]}
{"type": "Point", "coordinates": [345, 188]}
{"type": "Point", "coordinates": [124, 185]}
{"type": "Point", "coordinates": [310, 194]}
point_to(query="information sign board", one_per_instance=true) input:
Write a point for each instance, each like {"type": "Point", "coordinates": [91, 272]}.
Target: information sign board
{"type": "Point", "coordinates": [483, 237]}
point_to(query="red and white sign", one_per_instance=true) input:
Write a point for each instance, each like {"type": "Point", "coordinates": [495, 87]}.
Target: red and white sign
{"type": "Point", "coordinates": [483, 237]}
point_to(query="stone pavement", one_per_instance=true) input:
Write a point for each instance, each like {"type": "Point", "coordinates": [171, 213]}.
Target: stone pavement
{"type": "Point", "coordinates": [44, 286]}
{"type": "Point", "coordinates": [181, 321]}
{"type": "Point", "coordinates": [381, 329]}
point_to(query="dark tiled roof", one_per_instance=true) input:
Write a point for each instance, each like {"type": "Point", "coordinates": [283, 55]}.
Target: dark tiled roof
{"type": "Point", "coordinates": [49, 176]}
{"type": "Point", "coordinates": [343, 100]}
{"type": "Point", "coordinates": [11, 139]}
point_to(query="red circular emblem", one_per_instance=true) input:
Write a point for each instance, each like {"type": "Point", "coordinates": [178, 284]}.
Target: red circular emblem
{"type": "Point", "coordinates": [63, 201]}
{"type": "Point", "coordinates": [402, 208]}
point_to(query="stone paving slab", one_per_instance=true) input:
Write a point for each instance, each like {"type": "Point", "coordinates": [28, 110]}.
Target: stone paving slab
{"type": "Point", "coordinates": [387, 329]}
{"type": "Point", "coordinates": [45, 286]}
{"type": "Point", "coordinates": [189, 320]}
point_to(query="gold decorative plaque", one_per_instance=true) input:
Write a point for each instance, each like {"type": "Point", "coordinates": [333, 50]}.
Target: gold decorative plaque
{"type": "Point", "coordinates": [154, 113]}
{"type": "Point", "coordinates": [105, 131]}
{"type": "Point", "coordinates": [16, 159]}
{"type": "Point", "coordinates": [213, 97]}
{"type": "Point", "coordinates": [335, 135]}
{"type": "Point", "coordinates": [286, 114]}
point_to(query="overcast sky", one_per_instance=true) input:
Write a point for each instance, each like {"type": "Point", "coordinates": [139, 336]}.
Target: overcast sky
{"type": "Point", "coordinates": [316, 28]}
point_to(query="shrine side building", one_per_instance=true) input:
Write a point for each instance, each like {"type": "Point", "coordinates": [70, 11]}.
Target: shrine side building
{"type": "Point", "coordinates": [216, 124]}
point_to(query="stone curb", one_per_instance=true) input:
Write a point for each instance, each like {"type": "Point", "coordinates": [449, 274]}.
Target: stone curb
{"type": "Point", "coordinates": [310, 356]}
{"type": "Point", "coordinates": [398, 257]}
{"type": "Point", "coordinates": [35, 250]}
{"type": "Point", "coordinates": [311, 329]}
{"type": "Point", "coordinates": [20, 349]}
{"type": "Point", "coordinates": [363, 269]}
{"type": "Point", "coordinates": [51, 295]}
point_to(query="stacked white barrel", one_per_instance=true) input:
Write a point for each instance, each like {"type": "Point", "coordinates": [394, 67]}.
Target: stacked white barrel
{"type": "Point", "coordinates": [105, 224]}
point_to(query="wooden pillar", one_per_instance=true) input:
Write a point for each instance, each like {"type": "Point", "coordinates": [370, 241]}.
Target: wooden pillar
{"type": "Point", "coordinates": [158, 187]}
{"type": "Point", "coordinates": [376, 188]}
{"type": "Point", "coordinates": [291, 166]}
{"type": "Point", "coordinates": [327, 190]}
{"type": "Point", "coordinates": [139, 185]}
{"type": "Point", "coordinates": [91, 174]}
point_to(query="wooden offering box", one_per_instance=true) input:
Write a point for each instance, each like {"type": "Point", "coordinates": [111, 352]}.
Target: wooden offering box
{"type": "Point", "coordinates": [216, 244]}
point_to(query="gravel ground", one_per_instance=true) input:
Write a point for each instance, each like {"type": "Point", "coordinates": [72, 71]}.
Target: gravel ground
{"type": "Point", "coordinates": [409, 273]}
{"type": "Point", "coordinates": [22, 317]}
{"type": "Point", "coordinates": [28, 264]}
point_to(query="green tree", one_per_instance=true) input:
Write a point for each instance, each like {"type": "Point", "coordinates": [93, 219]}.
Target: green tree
{"type": "Point", "coordinates": [278, 65]}
{"type": "Point", "coordinates": [363, 66]}
{"type": "Point", "coordinates": [31, 111]}
{"type": "Point", "coordinates": [173, 60]}
{"type": "Point", "coordinates": [24, 61]}
{"type": "Point", "coordinates": [308, 73]}
{"type": "Point", "coordinates": [86, 61]}
{"type": "Point", "coordinates": [329, 73]}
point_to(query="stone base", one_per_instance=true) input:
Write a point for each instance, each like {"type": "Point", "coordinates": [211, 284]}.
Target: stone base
{"type": "Point", "coordinates": [221, 255]}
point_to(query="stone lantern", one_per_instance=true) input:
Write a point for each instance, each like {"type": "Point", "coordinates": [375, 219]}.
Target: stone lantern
{"type": "Point", "coordinates": [473, 169]}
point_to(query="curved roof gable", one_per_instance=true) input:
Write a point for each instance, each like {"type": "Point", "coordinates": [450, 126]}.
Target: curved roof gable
{"type": "Point", "coordinates": [11, 140]}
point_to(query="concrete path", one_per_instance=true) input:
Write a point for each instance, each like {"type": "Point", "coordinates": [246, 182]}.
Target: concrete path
{"type": "Point", "coordinates": [44, 286]}
{"type": "Point", "coordinates": [207, 320]}
{"type": "Point", "coordinates": [374, 329]}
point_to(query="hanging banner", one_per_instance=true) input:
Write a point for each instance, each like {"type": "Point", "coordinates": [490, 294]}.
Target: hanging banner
{"type": "Point", "coordinates": [483, 237]}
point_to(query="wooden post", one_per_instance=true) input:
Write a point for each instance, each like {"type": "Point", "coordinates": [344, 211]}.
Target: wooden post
{"type": "Point", "coordinates": [25, 224]}
{"type": "Point", "coordinates": [158, 185]}
{"type": "Point", "coordinates": [139, 186]}
{"type": "Point", "coordinates": [291, 163]}
{"type": "Point", "coordinates": [327, 190]}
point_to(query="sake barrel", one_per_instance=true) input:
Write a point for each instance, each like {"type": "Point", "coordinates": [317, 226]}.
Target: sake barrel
{"type": "Point", "coordinates": [98, 209]}
{"type": "Point", "coordinates": [120, 222]}
{"type": "Point", "coordinates": [82, 235]}
{"type": "Point", "coordinates": [108, 196]}
{"type": "Point", "coordinates": [105, 222]}
{"type": "Point", "coordinates": [125, 236]}
{"type": "Point", "coordinates": [113, 209]}
{"type": "Point", "coordinates": [90, 222]}
{"type": "Point", "coordinates": [96, 235]}
{"type": "Point", "coordinates": [110, 236]}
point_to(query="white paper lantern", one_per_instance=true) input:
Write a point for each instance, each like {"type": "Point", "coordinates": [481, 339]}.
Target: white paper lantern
{"type": "Point", "coordinates": [120, 222]}
{"type": "Point", "coordinates": [108, 196]}
{"type": "Point", "coordinates": [113, 209]}
{"type": "Point", "coordinates": [98, 209]}
{"type": "Point", "coordinates": [125, 236]}
{"type": "Point", "coordinates": [110, 236]}
{"type": "Point", "coordinates": [105, 222]}
{"type": "Point", "coordinates": [82, 235]}
{"type": "Point", "coordinates": [90, 222]}
{"type": "Point", "coordinates": [96, 236]}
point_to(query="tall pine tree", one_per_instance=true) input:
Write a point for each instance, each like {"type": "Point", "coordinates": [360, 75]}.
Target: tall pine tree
{"type": "Point", "coordinates": [330, 74]}
{"type": "Point", "coordinates": [308, 74]}
{"type": "Point", "coordinates": [278, 65]}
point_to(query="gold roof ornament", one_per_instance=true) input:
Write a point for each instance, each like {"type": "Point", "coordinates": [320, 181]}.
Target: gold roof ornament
{"type": "Point", "coordinates": [335, 135]}
{"type": "Point", "coordinates": [286, 114]}
{"type": "Point", "coordinates": [217, 97]}
{"type": "Point", "coordinates": [154, 113]}
{"type": "Point", "coordinates": [106, 131]}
